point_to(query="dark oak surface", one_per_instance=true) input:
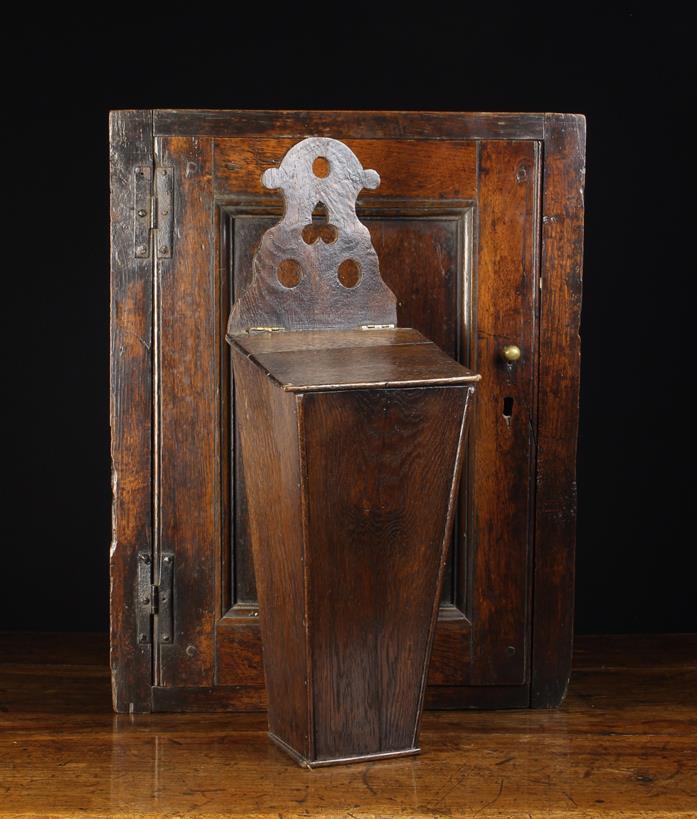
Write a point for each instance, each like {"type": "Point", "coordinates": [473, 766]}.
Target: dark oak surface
{"type": "Point", "coordinates": [343, 124]}
{"type": "Point", "coordinates": [503, 447]}
{"type": "Point", "coordinates": [323, 340]}
{"type": "Point", "coordinates": [624, 744]}
{"type": "Point", "coordinates": [352, 458]}
{"type": "Point", "coordinates": [388, 360]}
{"type": "Point", "coordinates": [336, 481]}
{"type": "Point", "coordinates": [131, 407]}
{"type": "Point", "coordinates": [269, 424]}
{"type": "Point", "coordinates": [561, 272]}
{"type": "Point", "coordinates": [372, 459]}
{"type": "Point", "coordinates": [188, 508]}
{"type": "Point", "coordinates": [478, 226]}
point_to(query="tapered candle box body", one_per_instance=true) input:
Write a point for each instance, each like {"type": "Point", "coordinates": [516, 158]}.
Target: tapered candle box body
{"type": "Point", "coordinates": [351, 445]}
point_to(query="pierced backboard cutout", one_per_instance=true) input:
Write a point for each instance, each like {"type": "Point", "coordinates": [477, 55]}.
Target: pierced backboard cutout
{"type": "Point", "coordinates": [323, 278]}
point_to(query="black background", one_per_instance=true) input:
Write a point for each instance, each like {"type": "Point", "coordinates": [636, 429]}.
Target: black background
{"type": "Point", "coordinates": [625, 71]}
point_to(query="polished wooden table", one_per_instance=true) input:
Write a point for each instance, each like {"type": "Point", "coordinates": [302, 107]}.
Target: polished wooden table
{"type": "Point", "coordinates": [623, 744]}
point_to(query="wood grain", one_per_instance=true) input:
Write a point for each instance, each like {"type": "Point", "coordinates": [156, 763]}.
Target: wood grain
{"type": "Point", "coordinates": [268, 419]}
{"type": "Point", "coordinates": [130, 412]}
{"type": "Point", "coordinates": [426, 259]}
{"type": "Point", "coordinates": [239, 647]}
{"type": "Point", "coordinates": [623, 745]}
{"type": "Point", "coordinates": [350, 124]}
{"type": "Point", "coordinates": [338, 480]}
{"type": "Point", "coordinates": [450, 654]}
{"type": "Point", "coordinates": [381, 468]}
{"type": "Point", "coordinates": [429, 249]}
{"type": "Point", "coordinates": [188, 440]}
{"type": "Point", "coordinates": [342, 366]}
{"type": "Point", "coordinates": [560, 352]}
{"type": "Point", "coordinates": [263, 343]}
{"type": "Point", "coordinates": [503, 447]}
{"type": "Point", "coordinates": [408, 168]}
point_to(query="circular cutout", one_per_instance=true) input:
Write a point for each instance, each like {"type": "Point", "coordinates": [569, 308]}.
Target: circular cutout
{"type": "Point", "coordinates": [289, 273]}
{"type": "Point", "coordinates": [321, 167]}
{"type": "Point", "coordinates": [317, 230]}
{"type": "Point", "coordinates": [349, 273]}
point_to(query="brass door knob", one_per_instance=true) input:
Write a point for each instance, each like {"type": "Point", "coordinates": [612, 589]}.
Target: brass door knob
{"type": "Point", "coordinates": [511, 353]}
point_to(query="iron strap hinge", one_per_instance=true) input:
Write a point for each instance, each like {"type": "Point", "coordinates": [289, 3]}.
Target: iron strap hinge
{"type": "Point", "coordinates": [153, 211]}
{"type": "Point", "coordinates": [154, 601]}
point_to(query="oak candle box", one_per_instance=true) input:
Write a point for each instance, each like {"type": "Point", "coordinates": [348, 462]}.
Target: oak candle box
{"type": "Point", "coordinates": [351, 432]}
{"type": "Point", "coordinates": [350, 454]}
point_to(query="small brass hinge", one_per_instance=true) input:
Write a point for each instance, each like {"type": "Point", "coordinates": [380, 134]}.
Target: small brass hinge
{"type": "Point", "coordinates": [266, 330]}
{"type": "Point", "coordinates": [154, 601]}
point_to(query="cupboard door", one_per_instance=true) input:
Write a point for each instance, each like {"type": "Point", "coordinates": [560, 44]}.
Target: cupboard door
{"type": "Point", "coordinates": [456, 223]}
